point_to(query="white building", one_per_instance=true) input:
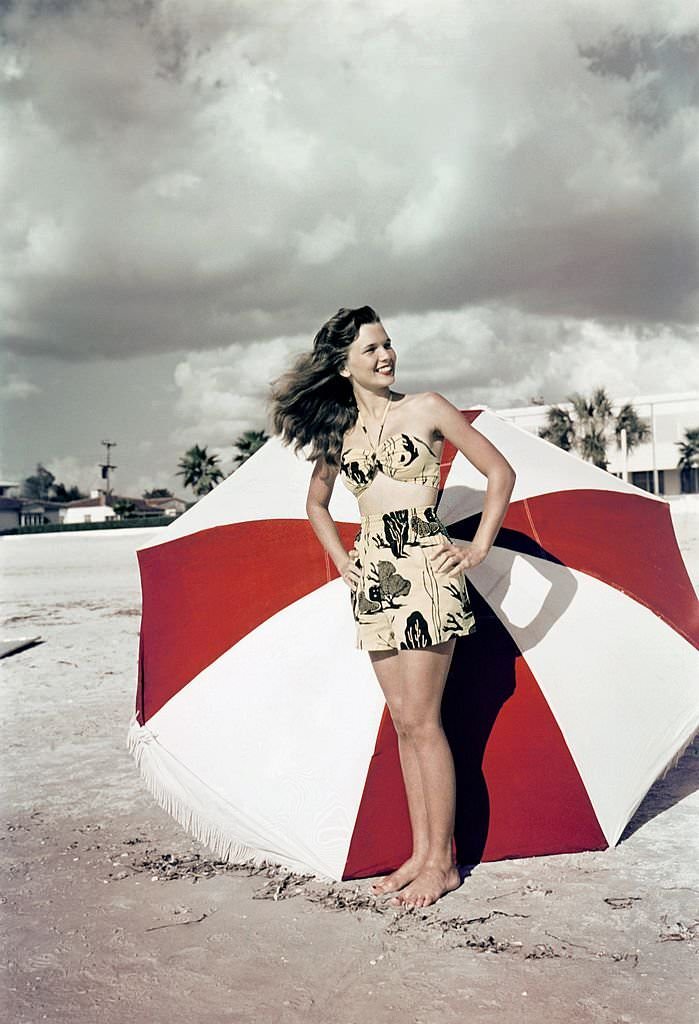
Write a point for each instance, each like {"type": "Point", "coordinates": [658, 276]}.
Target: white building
{"type": "Point", "coordinates": [98, 508]}
{"type": "Point", "coordinates": [95, 509]}
{"type": "Point", "coordinates": [668, 415]}
{"type": "Point", "coordinates": [17, 512]}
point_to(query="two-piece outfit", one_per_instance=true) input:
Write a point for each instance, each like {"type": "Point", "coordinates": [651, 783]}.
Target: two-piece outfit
{"type": "Point", "coordinates": [402, 601]}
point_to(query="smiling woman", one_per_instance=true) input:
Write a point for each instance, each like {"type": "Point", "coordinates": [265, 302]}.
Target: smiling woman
{"type": "Point", "coordinates": [406, 575]}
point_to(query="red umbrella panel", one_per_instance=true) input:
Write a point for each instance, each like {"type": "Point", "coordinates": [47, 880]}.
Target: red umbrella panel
{"type": "Point", "coordinates": [262, 729]}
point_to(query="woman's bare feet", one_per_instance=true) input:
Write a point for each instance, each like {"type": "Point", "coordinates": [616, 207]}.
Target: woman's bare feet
{"type": "Point", "coordinates": [427, 887]}
{"type": "Point", "coordinates": [408, 871]}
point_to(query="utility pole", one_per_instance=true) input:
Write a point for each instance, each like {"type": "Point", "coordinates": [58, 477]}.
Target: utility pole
{"type": "Point", "coordinates": [106, 466]}
{"type": "Point", "coordinates": [624, 456]}
{"type": "Point", "coordinates": [656, 480]}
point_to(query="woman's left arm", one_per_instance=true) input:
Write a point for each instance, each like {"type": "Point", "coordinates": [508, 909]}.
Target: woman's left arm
{"type": "Point", "coordinates": [501, 480]}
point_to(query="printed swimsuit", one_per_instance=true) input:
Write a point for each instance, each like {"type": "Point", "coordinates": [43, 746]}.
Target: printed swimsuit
{"type": "Point", "coordinates": [402, 601]}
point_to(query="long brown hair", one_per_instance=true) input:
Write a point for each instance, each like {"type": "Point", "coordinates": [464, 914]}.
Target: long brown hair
{"type": "Point", "coordinates": [311, 403]}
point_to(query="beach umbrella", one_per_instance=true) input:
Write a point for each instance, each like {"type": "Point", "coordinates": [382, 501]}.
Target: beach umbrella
{"type": "Point", "coordinates": [263, 731]}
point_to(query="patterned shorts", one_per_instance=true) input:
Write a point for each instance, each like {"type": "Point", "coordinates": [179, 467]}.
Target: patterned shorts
{"type": "Point", "coordinates": [402, 602]}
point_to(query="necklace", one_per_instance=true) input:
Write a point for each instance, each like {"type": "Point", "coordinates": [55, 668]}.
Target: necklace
{"type": "Point", "coordinates": [381, 424]}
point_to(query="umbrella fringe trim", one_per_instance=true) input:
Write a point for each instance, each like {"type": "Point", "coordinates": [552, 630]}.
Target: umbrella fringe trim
{"type": "Point", "coordinates": [675, 759]}
{"type": "Point", "coordinates": [672, 763]}
{"type": "Point", "coordinates": [223, 845]}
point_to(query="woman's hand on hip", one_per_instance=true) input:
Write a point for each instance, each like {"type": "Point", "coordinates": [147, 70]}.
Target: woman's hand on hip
{"type": "Point", "coordinates": [455, 557]}
{"type": "Point", "coordinates": [349, 570]}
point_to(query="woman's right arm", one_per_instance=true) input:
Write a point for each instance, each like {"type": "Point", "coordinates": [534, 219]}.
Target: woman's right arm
{"type": "Point", "coordinates": [320, 491]}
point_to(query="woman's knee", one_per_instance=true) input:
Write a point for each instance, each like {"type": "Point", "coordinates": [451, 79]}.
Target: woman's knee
{"type": "Point", "coordinates": [419, 730]}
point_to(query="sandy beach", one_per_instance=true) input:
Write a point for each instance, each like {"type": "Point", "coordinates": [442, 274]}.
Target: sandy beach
{"type": "Point", "coordinates": [112, 913]}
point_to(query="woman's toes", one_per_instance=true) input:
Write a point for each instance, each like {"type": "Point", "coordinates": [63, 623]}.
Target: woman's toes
{"type": "Point", "coordinates": [428, 887]}
{"type": "Point", "coordinates": [397, 879]}
{"type": "Point", "coordinates": [380, 888]}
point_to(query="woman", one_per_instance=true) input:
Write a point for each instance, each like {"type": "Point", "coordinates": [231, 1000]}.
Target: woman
{"type": "Point", "coordinates": [409, 595]}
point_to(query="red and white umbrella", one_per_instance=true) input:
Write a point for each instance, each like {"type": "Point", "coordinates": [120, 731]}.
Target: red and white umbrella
{"type": "Point", "coordinates": [264, 732]}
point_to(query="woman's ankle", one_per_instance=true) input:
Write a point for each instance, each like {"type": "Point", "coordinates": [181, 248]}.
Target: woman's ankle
{"type": "Point", "coordinates": [419, 854]}
{"type": "Point", "coordinates": [440, 861]}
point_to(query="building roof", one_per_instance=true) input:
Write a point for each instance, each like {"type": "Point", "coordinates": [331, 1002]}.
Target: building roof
{"type": "Point", "coordinates": [88, 502]}
{"type": "Point", "coordinates": [164, 501]}
{"type": "Point", "coordinates": [42, 503]}
{"type": "Point", "coordinates": [152, 505]}
{"type": "Point", "coordinates": [113, 499]}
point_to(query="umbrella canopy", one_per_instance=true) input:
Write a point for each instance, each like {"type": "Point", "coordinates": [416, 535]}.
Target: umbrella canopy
{"type": "Point", "coordinates": [262, 729]}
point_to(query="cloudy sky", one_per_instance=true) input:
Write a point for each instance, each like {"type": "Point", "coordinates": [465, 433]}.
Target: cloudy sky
{"type": "Point", "coordinates": [190, 187]}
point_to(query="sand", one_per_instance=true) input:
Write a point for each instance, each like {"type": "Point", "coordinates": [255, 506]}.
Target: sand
{"type": "Point", "coordinates": [112, 913]}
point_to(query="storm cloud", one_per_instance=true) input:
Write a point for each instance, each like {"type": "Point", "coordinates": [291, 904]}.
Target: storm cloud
{"type": "Point", "coordinates": [207, 182]}
{"type": "Point", "coordinates": [183, 176]}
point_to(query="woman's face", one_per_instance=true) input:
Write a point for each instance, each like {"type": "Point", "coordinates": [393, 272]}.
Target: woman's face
{"type": "Point", "coordinates": [371, 360]}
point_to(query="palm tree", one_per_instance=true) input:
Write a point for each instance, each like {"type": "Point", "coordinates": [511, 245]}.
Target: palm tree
{"type": "Point", "coordinates": [637, 430]}
{"type": "Point", "coordinates": [248, 443]}
{"type": "Point", "coordinates": [688, 462]}
{"type": "Point", "coordinates": [560, 429]}
{"type": "Point", "coordinates": [594, 416]}
{"type": "Point", "coordinates": [200, 470]}
{"type": "Point", "coordinates": [590, 427]}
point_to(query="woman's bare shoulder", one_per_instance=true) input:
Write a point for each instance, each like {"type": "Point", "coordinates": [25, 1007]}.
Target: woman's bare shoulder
{"type": "Point", "coordinates": [417, 398]}
{"type": "Point", "coordinates": [427, 402]}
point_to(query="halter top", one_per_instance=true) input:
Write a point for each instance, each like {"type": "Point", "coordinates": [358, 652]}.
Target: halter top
{"type": "Point", "coordinates": [401, 456]}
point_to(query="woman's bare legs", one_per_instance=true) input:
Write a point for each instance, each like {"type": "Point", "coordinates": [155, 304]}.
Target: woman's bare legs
{"type": "Point", "coordinates": [413, 684]}
{"type": "Point", "coordinates": [388, 668]}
